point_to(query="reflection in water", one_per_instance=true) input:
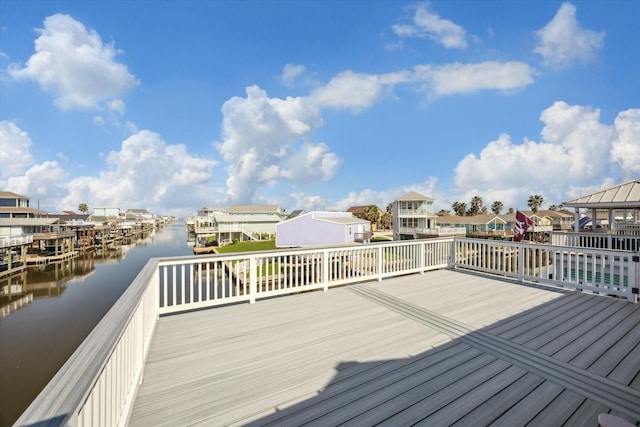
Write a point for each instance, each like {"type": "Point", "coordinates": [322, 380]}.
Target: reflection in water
{"type": "Point", "coordinates": [52, 280]}
{"type": "Point", "coordinates": [46, 313]}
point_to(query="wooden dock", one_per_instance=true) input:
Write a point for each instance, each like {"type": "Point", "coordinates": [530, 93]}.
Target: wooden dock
{"type": "Point", "coordinates": [441, 348]}
{"type": "Point", "coordinates": [197, 250]}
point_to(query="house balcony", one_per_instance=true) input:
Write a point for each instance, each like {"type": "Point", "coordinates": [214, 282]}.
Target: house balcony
{"type": "Point", "coordinates": [425, 213]}
{"type": "Point", "coordinates": [438, 331]}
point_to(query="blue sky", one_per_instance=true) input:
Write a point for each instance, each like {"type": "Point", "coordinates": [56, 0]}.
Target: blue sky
{"type": "Point", "coordinates": [173, 106]}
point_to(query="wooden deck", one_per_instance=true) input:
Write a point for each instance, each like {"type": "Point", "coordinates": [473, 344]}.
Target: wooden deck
{"type": "Point", "coordinates": [436, 349]}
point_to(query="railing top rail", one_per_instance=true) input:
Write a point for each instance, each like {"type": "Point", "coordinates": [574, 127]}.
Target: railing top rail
{"type": "Point", "coordinates": [59, 402]}
{"type": "Point", "coordinates": [545, 246]}
{"type": "Point", "coordinates": [296, 251]}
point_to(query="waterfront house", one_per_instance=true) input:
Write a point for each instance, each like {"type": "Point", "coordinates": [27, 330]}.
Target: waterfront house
{"type": "Point", "coordinates": [560, 219]}
{"type": "Point", "coordinates": [322, 228]}
{"type": "Point", "coordinates": [107, 215]}
{"type": "Point", "coordinates": [413, 218]}
{"type": "Point", "coordinates": [484, 225]}
{"type": "Point", "coordinates": [24, 229]}
{"type": "Point", "coordinates": [14, 205]}
{"type": "Point", "coordinates": [238, 222]}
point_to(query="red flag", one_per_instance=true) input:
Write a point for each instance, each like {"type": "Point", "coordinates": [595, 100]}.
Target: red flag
{"type": "Point", "coordinates": [523, 223]}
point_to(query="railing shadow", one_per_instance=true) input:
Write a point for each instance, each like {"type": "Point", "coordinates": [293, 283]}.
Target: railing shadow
{"type": "Point", "coordinates": [515, 371]}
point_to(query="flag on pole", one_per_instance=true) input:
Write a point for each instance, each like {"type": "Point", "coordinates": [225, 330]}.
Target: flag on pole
{"type": "Point", "coordinates": [523, 223]}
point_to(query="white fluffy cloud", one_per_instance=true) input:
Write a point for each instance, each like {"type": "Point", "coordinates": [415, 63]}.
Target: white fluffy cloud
{"type": "Point", "coordinates": [563, 41]}
{"type": "Point", "coordinates": [15, 156]}
{"type": "Point", "coordinates": [19, 173]}
{"type": "Point", "coordinates": [43, 182]}
{"type": "Point", "coordinates": [428, 24]}
{"type": "Point", "coordinates": [576, 148]}
{"type": "Point", "coordinates": [626, 146]}
{"type": "Point", "coordinates": [269, 139]}
{"type": "Point", "coordinates": [456, 78]}
{"type": "Point", "coordinates": [349, 90]}
{"type": "Point", "coordinates": [74, 64]}
{"type": "Point", "coordinates": [383, 197]}
{"type": "Point", "coordinates": [147, 173]}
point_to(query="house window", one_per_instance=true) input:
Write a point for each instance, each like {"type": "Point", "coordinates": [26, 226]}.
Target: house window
{"type": "Point", "coordinates": [409, 222]}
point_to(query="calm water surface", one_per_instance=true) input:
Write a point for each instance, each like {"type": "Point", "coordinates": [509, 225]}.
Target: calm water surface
{"type": "Point", "coordinates": [68, 301]}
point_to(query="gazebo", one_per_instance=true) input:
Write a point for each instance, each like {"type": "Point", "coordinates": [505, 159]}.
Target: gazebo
{"type": "Point", "coordinates": [622, 204]}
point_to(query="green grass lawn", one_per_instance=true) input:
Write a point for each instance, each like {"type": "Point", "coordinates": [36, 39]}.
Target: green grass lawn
{"type": "Point", "coordinates": [262, 245]}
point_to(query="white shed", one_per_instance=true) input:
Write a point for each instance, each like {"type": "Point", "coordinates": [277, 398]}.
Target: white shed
{"type": "Point", "coordinates": [320, 228]}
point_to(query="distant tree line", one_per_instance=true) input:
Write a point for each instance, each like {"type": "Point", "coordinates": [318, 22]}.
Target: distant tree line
{"type": "Point", "coordinates": [476, 206]}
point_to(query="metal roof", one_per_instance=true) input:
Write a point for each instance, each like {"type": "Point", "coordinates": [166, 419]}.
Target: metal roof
{"type": "Point", "coordinates": [413, 196]}
{"type": "Point", "coordinates": [625, 195]}
{"type": "Point", "coordinates": [6, 222]}
{"type": "Point", "coordinates": [250, 209]}
{"type": "Point", "coordinates": [344, 220]}
{"type": "Point", "coordinates": [11, 195]}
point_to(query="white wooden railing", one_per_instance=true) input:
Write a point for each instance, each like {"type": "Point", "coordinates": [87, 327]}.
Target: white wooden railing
{"type": "Point", "coordinates": [434, 231]}
{"type": "Point", "coordinates": [98, 383]}
{"type": "Point", "coordinates": [8, 241]}
{"type": "Point", "coordinates": [627, 229]}
{"type": "Point", "coordinates": [623, 242]}
{"type": "Point", "coordinates": [605, 272]}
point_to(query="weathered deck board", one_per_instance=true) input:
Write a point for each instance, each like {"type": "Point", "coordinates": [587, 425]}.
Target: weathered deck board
{"type": "Point", "coordinates": [345, 356]}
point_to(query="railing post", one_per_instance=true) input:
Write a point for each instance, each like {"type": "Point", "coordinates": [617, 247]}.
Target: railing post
{"type": "Point", "coordinates": [253, 279]}
{"type": "Point", "coordinates": [379, 263]}
{"type": "Point", "coordinates": [452, 253]}
{"type": "Point", "coordinates": [325, 270]}
{"type": "Point", "coordinates": [423, 249]}
{"type": "Point", "coordinates": [634, 276]}
{"type": "Point", "coordinates": [520, 248]}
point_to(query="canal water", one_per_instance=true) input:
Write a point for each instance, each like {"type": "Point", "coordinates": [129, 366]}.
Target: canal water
{"type": "Point", "coordinates": [52, 310]}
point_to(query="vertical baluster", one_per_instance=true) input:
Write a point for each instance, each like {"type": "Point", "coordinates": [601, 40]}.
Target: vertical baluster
{"type": "Point", "coordinates": [165, 285]}
{"type": "Point", "coordinates": [196, 270]}
{"type": "Point", "coordinates": [174, 285]}
{"type": "Point", "coordinates": [215, 280]}
{"type": "Point", "coordinates": [207, 281]}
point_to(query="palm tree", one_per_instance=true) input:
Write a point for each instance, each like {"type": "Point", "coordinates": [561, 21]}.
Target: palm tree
{"type": "Point", "coordinates": [475, 205]}
{"type": "Point", "coordinates": [535, 201]}
{"type": "Point", "coordinates": [459, 208]}
{"type": "Point", "coordinates": [496, 207]}
{"type": "Point", "coordinates": [83, 208]}
{"type": "Point", "coordinates": [511, 210]}
{"type": "Point", "coordinates": [372, 214]}
{"type": "Point", "coordinates": [389, 212]}
{"type": "Point", "coordinates": [386, 220]}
